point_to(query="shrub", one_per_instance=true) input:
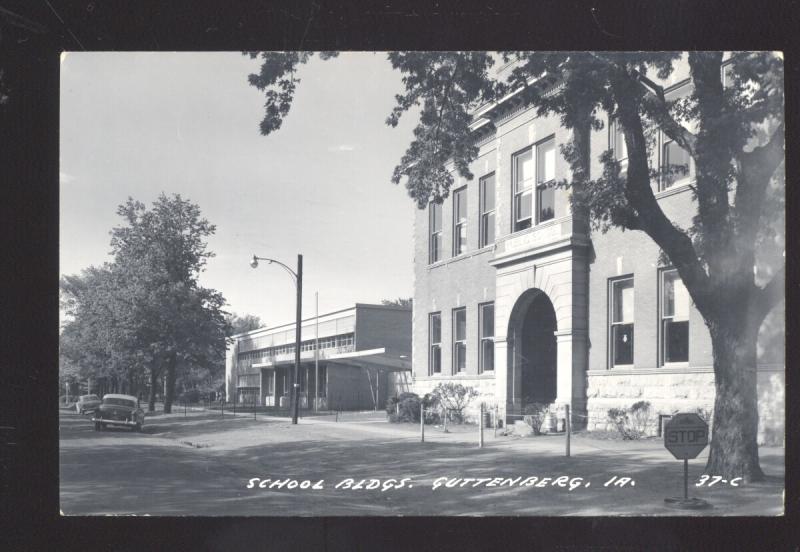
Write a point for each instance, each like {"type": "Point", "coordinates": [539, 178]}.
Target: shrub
{"type": "Point", "coordinates": [534, 414]}
{"type": "Point", "coordinates": [631, 423]}
{"type": "Point", "coordinates": [403, 408]}
{"type": "Point", "coordinates": [640, 417]}
{"type": "Point", "coordinates": [454, 398]}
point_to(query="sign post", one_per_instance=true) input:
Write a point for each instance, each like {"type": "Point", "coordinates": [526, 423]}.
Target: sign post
{"type": "Point", "coordinates": [685, 436]}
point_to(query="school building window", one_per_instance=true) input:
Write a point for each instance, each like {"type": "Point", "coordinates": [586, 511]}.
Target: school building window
{"type": "Point", "coordinates": [459, 221]}
{"type": "Point", "coordinates": [523, 177]}
{"type": "Point", "coordinates": [487, 210]}
{"type": "Point", "coordinates": [435, 340]}
{"type": "Point", "coordinates": [486, 325]}
{"type": "Point", "coordinates": [675, 164]}
{"type": "Point", "coordinates": [621, 323]}
{"type": "Point", "coordinates": [459, 340]}
{"type": "Point", "coordinates": [435, 244]}
{"type": "Point", "coordinates": [616, 143]}
{"type": "Point", "coordinates": [545, 180]}
{"type": "Point", "coordinates": [674, 316]}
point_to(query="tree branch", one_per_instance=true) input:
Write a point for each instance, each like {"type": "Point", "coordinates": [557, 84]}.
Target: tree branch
{"type": "Point", "coordinates": [656, 104]}
{"type": "Point", "coordinates": [765, 159]}
{"type": "Point", "coordinates": [765, 299]}
{"type": "Point", "coordinates": [756, 170]}
{"type": "Point", "coordinates": [639, 194]}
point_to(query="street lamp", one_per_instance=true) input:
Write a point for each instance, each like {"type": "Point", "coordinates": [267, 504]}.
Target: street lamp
{"type": "Point", "coordinates": [298, 281]}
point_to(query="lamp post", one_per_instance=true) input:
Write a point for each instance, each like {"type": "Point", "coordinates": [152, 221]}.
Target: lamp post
{"type": "Point", "coordinates": [298, 281]}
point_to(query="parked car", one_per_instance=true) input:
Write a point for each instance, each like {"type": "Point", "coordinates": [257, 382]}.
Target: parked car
{"type": "Point", "coordinates": [119, 410]}
{"type": "Point", "coordinates": [87, 403]}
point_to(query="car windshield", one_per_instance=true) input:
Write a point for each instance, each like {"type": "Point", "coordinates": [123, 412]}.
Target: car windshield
{"type": "Point", "coordinates": [120, 402]}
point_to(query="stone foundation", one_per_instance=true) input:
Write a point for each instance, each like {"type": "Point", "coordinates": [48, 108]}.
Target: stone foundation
{"type": "Point", "coordinates": [674, 391]}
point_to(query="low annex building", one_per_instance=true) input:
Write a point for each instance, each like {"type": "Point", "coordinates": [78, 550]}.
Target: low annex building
{"type": "Point", "coordinates": [350, 359]}
{"type": "Point", "coordinates": [516, 297]}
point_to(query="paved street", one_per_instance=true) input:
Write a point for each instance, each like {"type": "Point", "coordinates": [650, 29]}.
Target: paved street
{"type": "Point", "coordinates": [201, 463]}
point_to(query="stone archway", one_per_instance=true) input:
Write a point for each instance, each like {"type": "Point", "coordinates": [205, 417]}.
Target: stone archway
{"type": "Point", "coordinates": [532, 351]}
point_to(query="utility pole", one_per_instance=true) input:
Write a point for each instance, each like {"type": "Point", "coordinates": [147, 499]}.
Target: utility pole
{"type": "Point", "coordinates": [296, 398]}
{"type": "Point", "coordinates": [298, 280]}
{"type": "Point", "coordinates": [316, 356]}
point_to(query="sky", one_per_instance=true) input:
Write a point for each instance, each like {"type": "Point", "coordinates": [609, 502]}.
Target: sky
{"type": "Point", "coordinates": [136, 124]}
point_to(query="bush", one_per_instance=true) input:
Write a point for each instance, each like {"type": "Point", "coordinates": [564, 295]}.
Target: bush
{"type": "Point", "coordinates": [631, 423]}
{"type": "Point", "coordinates": [640, 417]}
{"type": "Point", "coordinates": [534, 415]}
{"type": "Point", "coordinates": [454, 398]}
{"type": "Point", "coordinates": [405, 408]}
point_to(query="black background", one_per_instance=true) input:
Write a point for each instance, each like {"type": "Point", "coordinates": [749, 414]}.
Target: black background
{"type": "Point", "coordinates": [34, 32]}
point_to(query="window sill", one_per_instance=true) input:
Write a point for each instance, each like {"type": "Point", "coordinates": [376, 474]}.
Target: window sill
{"type": "Point", "coordinates": [623, 367]}
{"type": "Point", "coordinates": [677, 188]}
{"type": "Point", "coordinates": [462, 256]}
{"type": "Point", "coordinates": [458, 376]}
{"type": "Point", "coordinates": [669, 365]}
{"type": "Point", "coordinates": [535, 227]}
{"type": "Point", "coordinates": [650, 370]}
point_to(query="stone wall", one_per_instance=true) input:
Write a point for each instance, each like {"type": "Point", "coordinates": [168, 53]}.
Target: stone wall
{"type": "Point", "coordinates": [670, 391]}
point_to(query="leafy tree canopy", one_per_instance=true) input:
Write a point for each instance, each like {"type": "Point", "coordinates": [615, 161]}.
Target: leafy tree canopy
{"type": "Point", "coordinates": [146, 309]}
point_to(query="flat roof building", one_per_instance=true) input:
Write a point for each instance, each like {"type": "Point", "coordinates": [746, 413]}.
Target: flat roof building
{"type": "Point", "coordinates": [350, 359]}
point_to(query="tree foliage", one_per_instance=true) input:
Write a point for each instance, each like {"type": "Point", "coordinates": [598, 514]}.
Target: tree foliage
{"type": "Point", "coordinates": [729, 256]}
{"type": "Point", "coordinates": [243, 323]}
{"type": "Point", "coordinates": [399, 302]}
{"type": "Point", "coordinates": [145, 311]}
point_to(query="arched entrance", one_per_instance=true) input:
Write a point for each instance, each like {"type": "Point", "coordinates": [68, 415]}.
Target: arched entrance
{"type": "Point", "coordinates": [532, 352]}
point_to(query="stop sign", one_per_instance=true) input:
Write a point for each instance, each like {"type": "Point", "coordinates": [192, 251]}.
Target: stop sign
{"type": "Point", "coordinates": [686, 435]}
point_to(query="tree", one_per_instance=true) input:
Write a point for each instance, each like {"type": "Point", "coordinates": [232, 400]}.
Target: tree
{"type": "Point", "coordinates": [243, 323]}
{"type": "Point", "coordinates": [162, 251]}
{"type": "Point", "coordinates": [399, 302]}
{"type": "Point", "coordinates": [144, 314]}
{"type": "Point", "coordinates": [734, 134]}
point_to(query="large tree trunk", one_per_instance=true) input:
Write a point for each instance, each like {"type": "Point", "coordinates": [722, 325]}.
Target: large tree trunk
{"type": "Point", "coordinates": [734, 446]}
{"type": "Point", "coordinates": [151, 404]}
{"type": "Point", "coordinates": [170, 380]}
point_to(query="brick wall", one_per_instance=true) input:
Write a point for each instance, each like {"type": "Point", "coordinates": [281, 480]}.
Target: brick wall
{"type": "Point", "coordinates": [379, 326]}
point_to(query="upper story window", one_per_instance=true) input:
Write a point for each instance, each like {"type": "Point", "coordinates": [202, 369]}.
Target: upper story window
{"type": "Point", "coordinates": [459, 340]}
{"type": "Point", "coordinates": [616, 143]}
{"type": "Point", "coordinates": [435, 343]}
{"type": "Point", "coordinates": [674, 316]}
{"type": "Point", "coordinates": [676, 164]}
{"type": "Point", "coordinates": [435, 235]}
{"type": "Point", "coordinates": [621, 323]}
{"type": "Point", "coordinates": [727, 74]}
{"type": "Point", "coordinates": [487, 210]}
{"type": "Point", "coordinates": [522, 175]}
{"type": "Point", "coordinates": [534, 169]}
{"type": "Point", "coordinates": [486, 324]}
{"type": "Point", "coordinates": [459, 221]}
{"type": "Point", "coordinates": [545, 178]}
